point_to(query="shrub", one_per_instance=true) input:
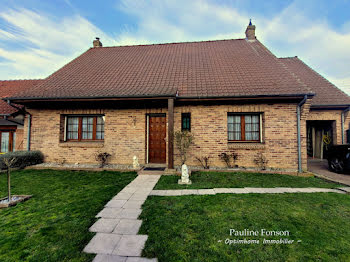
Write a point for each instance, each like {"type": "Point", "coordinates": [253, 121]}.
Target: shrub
{"type": "Point", "coordinates": [204, 161]}
{"type": "Point", "coordinates": [102, 158]}
{"type": "Point", "coordinates": [23, 158]}
{"type": "Point", "coordinates": [261, 161]}
{"type": "Point", "coordinates": [226, 157]}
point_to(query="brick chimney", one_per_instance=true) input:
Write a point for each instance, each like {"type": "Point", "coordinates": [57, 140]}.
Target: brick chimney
{"type": "Point", "coordinates": [97, 42]}
{"type": "Point", "coordinates": [250, 31]}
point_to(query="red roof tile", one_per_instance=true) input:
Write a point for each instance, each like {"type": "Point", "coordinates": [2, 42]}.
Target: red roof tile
{"type": "Point", "coordinates": [12, 88]}
{"type": "Point", "coordinates": [326, 92]}
{"type": "Point", "coordinates": [195, 69]}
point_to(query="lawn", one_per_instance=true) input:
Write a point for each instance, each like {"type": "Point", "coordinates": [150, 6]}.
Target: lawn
{"type": "Point", "coordinates": [53, 225]}
{"type": "Point", "coordinates": [189, 228]}
{"type": "Point", "coordinates": [241, 179]}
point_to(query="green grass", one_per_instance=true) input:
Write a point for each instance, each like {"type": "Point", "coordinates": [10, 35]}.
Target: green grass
{"type": "Point", "coordinates": [241, 179]}
{"type": "Point", "coordinates": [188, 228]}
{"type": "Point", "coordinates": [53, 225]}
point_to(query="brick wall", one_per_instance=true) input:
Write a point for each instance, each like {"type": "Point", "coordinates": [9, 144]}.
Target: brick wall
{"type": "Point", "coordinates": [125, 135]}
{"type": "Point", "coordinates": [209, 127]}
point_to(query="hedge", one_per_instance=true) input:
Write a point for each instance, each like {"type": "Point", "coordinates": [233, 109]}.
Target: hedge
{"type": "Point", "coordinates": [24, 158]}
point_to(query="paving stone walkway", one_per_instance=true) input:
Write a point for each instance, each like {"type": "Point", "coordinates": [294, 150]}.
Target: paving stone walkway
{"type": "Point", "coordinates": [246, 190]}
{"type": "Point", "coordinates": [116, 238]}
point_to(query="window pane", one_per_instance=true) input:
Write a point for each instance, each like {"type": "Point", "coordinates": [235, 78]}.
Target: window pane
{"type": "Point", "coordinates": [5, 140]}
{"type": "Point", "coordinates": [72, 127]}
{"type": "Point", "coordinates": [87, 127]}
{"type": "Point", "coordinates": [252, 127]}
{"type": "Point", "coordinates": [234, 127]}
{"type": "Point", "coordinates": [100, 128]}
{"type": "Point", "coordinates": [186, 121]}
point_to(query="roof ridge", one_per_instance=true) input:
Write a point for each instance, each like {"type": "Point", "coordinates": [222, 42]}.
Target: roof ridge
{"type": "Point", "coordinates": [171, 43]}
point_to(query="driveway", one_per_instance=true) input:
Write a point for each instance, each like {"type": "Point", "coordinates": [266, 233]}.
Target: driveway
{"type": "Point", "coordinates": [320, 168]}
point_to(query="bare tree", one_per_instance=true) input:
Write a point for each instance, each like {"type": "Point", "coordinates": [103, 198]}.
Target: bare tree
{"type": "Point", "coordinates": [9, 163]}
{"type": "Point", "coordinates": [183, 141]}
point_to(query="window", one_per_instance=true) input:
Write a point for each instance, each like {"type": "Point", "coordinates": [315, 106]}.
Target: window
{"type": "Point", "coordinates": [6, 141]}
{"type": "Point", "coordinates": [243, 127]}
{"type": "Point", "coordinates": [85, 128]}
{"type": "Point", "coordinates": [186, 122]}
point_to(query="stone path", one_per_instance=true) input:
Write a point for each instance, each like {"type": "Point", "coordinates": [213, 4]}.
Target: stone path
{"type": "Point", "coordinates": [246, 190]}
{"type": "Point", "coordinates": [116, 238]}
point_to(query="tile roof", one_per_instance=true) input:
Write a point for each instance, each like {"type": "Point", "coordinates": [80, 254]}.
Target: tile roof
{"type": "Point", "coordinates": [12, 88]}
{"type": "Point", "coordinates": [326, 92]}
{"type": "Point", "coordinates": [221, 68]}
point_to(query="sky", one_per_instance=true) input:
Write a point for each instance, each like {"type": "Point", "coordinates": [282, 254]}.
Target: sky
{"type": "Point", "coordinates": [38, 37]}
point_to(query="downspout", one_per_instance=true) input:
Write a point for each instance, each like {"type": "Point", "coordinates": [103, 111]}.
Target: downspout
{"type": "Point", "coordinates": [300, 170]}
{"type": "Point", "coordinates": [29, 131]}
{"type": "Point", "coordinates": [342, 123]}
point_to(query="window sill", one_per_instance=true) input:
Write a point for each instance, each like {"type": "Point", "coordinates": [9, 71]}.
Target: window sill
{"type": "Point", "coordinates": [90, 144]}
{"type": "Point", "coordinates": [246, 145]}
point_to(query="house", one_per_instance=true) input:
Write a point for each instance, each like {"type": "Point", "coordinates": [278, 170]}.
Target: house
{"type": "Point", "coordinates": [232, 95]}
{"type": "Point", "coordinates": [11, 117]}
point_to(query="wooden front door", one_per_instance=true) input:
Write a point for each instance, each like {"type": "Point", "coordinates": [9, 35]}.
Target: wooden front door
{"type": "Point", "coordinates": [156, 142]}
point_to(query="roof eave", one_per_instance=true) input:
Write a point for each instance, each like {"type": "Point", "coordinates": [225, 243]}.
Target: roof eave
{"type": "Point", "coordinates": [310, 95]}
{"type": "Point", "coordinates": [330, 106]}
{"type": "Point", "coordinates": [19, 100]}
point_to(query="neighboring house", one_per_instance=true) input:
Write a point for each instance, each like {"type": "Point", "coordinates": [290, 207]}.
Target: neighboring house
{"type": "Point", "coordinates": [11, 117]}
{"type": "Point", "coordinates": [232, 95]}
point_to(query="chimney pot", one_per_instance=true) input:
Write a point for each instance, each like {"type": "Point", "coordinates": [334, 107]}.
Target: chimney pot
{"type": "Point", "coordinates": [250, 31]}
{"type": "Point", "coordinates": [97, 42]}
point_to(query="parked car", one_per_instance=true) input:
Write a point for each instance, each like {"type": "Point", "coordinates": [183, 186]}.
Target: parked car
{"type": "Point", "coordinates": [339, 158]}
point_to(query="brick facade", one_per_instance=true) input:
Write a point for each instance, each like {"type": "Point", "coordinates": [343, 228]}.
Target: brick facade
{"type": "Point", "coordinates": [125, 135]}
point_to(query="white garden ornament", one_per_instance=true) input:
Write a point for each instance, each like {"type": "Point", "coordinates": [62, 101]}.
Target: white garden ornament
{"type": "Point", "coordinates": [135, 163]}
{"type": "Point", "coordinates": [185, 177]}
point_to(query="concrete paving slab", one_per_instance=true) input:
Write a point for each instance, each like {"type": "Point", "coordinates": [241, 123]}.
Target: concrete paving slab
{"type": "Point", "coordinates": [129, 213]}
{"type": "Point", "coordinates": [116, 203]}
{"type": "Point", "coordinates": [285, 189]}
{"type": "Point", "coordinates": [128, 227]}
{"type": "Point", "coordinates": [129, 190]}
{"type": "Point", "coordinates": [133, 204]}
{"type": "Point", "coordinates": [189, 192]}
{"type": "Point", "coordinates": [139, 196]}
{"type": "Point", "coordinates": [345, 189]}
{"type": "Point", "coordinates": [104, 225]}
{"type": "Point", "coordinates": [108, 212]}
{"type": "Point", "coordinates": [122, 196]}
{"type": "Point", "coordinates": [256, 190]}
{"type": "Point", "coordinates": [206, 192]}
{"type": "Point", "coordinates": [130, 246]}
{"type": "Point", "coordinates": [109, 258]}
{"type": "Point", "coordinates": [275, 190]}
{"type": "Point", "coordinates": [103, 243]}
{"type": "Point", "coordinates": [173, 192]}
{"type": "Point", "coordinates": [239, 191]}
{"type": "Point", "coordinates": [222, 190]}
{"type": "Point", "coordinates": [141, 259]}
{"type": "Point", "coordinates": [157, 193]}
